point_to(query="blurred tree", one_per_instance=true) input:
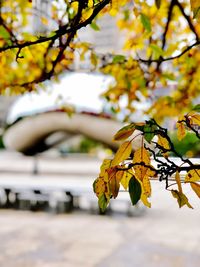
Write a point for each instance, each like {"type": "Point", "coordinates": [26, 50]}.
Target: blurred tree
{"type": "Point", "coordinates": [161, 50]}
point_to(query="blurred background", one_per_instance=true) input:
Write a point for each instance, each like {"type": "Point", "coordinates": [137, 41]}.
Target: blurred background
{"type": "Point", "coordinates": [51, 147]}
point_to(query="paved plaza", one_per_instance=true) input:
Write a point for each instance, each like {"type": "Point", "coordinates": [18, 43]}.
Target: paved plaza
{"type": "Point", "coordinates": [164, 236]}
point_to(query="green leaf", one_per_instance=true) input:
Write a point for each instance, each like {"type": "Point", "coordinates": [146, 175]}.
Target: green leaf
{"type": "Point", "coordinates": [94, 185]}
{"type": "Point", "coordinates": [148, 129]}
{"type": "Point", "coordinates": [4, 33]}
{"type": "Point", "coordinates": [135, 190]}
{"type": "Point", "coordinates": [169, 76]}
{"type": "Point", "coordinates": [145, 22]}
{"type": "Point", "coordinates": [126, 14]}
{"type": "Point", "coordinates": [197, 108]}
{"type": "Point", "coordinates": [156, 50]}
{"type": "Point", "coordinates": [158, 3]}
{"type": "Point", "coordinates": [94, 26]}
{"type": "Point", "coordinates": [118, 59]}
{"type": "Point", "coordinates": [149, 133]}
{"type": "Point", "coordinates": [103, 203]}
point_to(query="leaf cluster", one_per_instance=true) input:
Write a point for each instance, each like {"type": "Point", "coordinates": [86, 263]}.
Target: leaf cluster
{"type": "Point", "coordinates": [134, 170]}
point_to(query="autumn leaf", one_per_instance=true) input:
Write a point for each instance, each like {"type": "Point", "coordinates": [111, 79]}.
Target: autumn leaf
{"type": "Point", "coordinates": [145, 201]}
{"type": "Point", "coordinates": [178, 181]}
{"type": "Point", "coordinates": [99, 186]}
{"type": "Point", "coordinates": [181, 199]}
{"type": "Point", "coordinates": [44, 20]}
{"type": "Point", "coordinates": [146, 186]}
{"type": "Point", "coordinates": [151, 172]}
{"type": "Point", "coordinates": [104, 166]}
{"type": "Point", "coordinates": [141, 156]}
{"type": "Point", "coordinates": [114, 182]}
{"type": "Point", "coordinates": [146, 191]}
{"type": "Point", "coordinates": [103, 170]}
{"type": "Point", "coordinates": [196, 188]}
{"type": "Point", "coordinates": [162, 141]}
{"type": "Point", "coordinates": [126, 178]}
{"type": "Point", "coordinates": [195, 7]}
{"type": "Point", "coordinates": [114, 7]}
{"type": "Point", "coordinates": [181, 132]}
{"type": "Point", "coordinates": [135, 190]}
{"type": "Point", "coordinates": [122, 153]}
{"type": "Point", "coordinates": [194, 118]}
{"type": "Point", "coordinates": [124, 132]}
{"type": "Point", "coordinates": [193, 176]}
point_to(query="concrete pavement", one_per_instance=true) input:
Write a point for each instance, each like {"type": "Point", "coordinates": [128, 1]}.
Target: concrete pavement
{"type": "Point", "coordinates": [164, 236]}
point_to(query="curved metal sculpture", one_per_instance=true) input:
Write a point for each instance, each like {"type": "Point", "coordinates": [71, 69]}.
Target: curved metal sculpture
{"type": "Point", "coordinates": [28, 134]}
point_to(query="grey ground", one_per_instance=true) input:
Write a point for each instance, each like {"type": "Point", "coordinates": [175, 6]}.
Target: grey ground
{"type": "Point", "coordinates": [163, 236]}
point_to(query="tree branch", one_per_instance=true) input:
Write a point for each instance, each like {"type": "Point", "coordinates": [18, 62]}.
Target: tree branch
{"type": "Point", "coordinates": [61, 31]}
{"type": "Point", "coordinates": [75, 25]}
{"type": "Point", "coordinates": [172, 4]}
{"type": "Point", "coordinates": [161, 59]}
{"type": "Point", "coordinates": [188, 19]}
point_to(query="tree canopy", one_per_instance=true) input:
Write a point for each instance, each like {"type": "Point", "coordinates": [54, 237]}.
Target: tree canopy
{"type": "Point", "coordinates": [161, 53]}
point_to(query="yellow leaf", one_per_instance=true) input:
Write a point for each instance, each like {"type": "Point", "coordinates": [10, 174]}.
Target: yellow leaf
{"type": "Point", "coordinates": [105, 165]}
{"type": "Point", "coordinates": [124, 132]}
{"type": "Point", "coordinates": [146, 186]}
{"type": "Point", "coordinates": [87, 13]}
{"type": "Point", "coordinates": [163, 142]}
{"type": "Point", "coordinates": [196, 188]}
{"type": "Point", "coordinates": [103, 169]}
{"type": "Point", "coordinates": [178, 181]}
{"type": "Point", "coordinates": [75, 5]}
{"type": "Point", "coordinates": [114, 7]}
{"type": "Point", "coordinates": [181, 198]}
{"type": "Point", "coordinates": [115, 4]}
{"type": "Point", "coordinates": [145, 201]}
{"type": "Point", "coordinates": [193, 176]}
{"type": "Point", "coordinates": [113, 182]}
{"type": "Point", "coordinates": [99, 186]}
{"type": "Point", "coordinates": [119, 175]}
{"type": "Point", "coordinates": [126, 178]}
{"type": "Point", "coordinates": [194, 118]}
{"type": "Point", "coordinates": [122, 153]}
{"type": "Point", "coordinates": [90, 3]}
{"type": "Point", "coordinates": [44, 20]}
{"type": "Point", "coordinates": [94, 59]}
{"type": "Point", "coordinates": [141, 156]}
{"type": "Point", "coordinates": [146, 191]}
{"type": "Point", "coordinates": [151, 172]}
{"type": "Point", "coordinates": [181, 132]}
